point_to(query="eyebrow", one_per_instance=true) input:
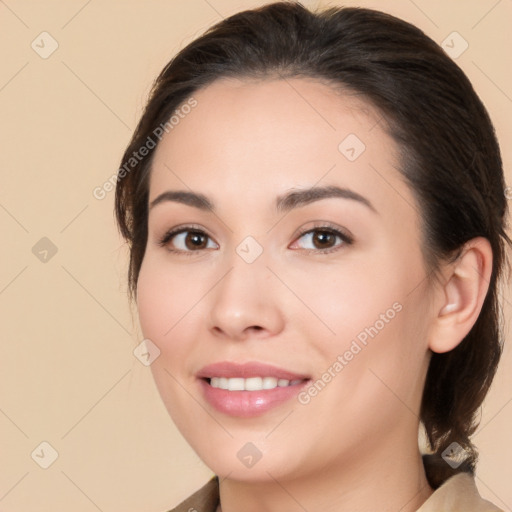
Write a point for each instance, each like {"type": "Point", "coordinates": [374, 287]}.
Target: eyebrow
{"type": "Point", "coordinates": [284, 203]}
{"type": "Point", "coordinates": [182, 196]}
{"type": "Point", "coordinates": [299, 198]}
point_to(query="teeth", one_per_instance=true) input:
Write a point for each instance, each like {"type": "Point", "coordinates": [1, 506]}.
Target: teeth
{"type": "Point", "coordinates": [269, 382]}
{"type": "Point", "coordinates": [251, 384]}
{"type": "Point", "coordinates": [237, 384]}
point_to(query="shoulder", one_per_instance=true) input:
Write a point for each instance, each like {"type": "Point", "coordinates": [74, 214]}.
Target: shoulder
{"type": "Point", "coordinates": [458, 493]}
{"type": "Point", "coordinates": [205, 499]}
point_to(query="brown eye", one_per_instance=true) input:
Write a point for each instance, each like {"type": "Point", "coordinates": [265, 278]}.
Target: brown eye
{"type": "Point", "coordinates": [196, 240]}
{"type": "Point", "coordinates": [187, 240]}
{"type": "Point", "coordinates": [322, 240]}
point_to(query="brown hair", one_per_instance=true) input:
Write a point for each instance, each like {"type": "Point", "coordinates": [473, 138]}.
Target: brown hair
{"type": "Point", "coordinates": [450, 159]}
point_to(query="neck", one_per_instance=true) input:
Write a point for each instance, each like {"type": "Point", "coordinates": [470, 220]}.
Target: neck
{"type": "Point", "coordinates": [388, 480]}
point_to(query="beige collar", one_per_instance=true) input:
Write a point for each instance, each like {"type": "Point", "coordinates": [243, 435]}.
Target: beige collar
{"type": "Point", "coordinates": [458, 494]}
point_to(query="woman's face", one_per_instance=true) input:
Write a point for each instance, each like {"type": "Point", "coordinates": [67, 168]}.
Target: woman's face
{"type": "Point", "coordinates": [295, 267]}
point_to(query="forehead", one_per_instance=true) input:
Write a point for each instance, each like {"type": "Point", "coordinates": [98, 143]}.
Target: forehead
{"type": "Point", "coordinates": [248, 136]}
{"type": "Point", "coordinates": [273, 112]}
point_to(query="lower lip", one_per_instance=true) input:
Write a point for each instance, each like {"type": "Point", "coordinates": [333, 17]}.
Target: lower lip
{"type": "Point", "coordinates": [247, 404]}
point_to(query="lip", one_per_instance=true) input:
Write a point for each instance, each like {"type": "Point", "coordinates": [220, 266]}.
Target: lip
{"type": "Point", "coordinates": [245, 370]}
{"type": "Point", "coordinates": [246, 404]}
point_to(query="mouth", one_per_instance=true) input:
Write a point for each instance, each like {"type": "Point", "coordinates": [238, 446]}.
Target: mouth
{"type": "Point", "coordinates": [249, 389]}
{"type": "Point", "coordinates": [251, 383]}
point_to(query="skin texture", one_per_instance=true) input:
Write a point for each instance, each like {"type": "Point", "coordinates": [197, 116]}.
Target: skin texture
{"type": "Point", "coordinates": [353, 446]}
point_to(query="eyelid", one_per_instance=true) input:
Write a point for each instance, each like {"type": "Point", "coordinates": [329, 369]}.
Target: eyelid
{"type": "Point", "coordinates": [169, 234]}
{"type": "Point", "coordinates": [343, 233]}
{"type": "Point", "coordinates": [328, 226]}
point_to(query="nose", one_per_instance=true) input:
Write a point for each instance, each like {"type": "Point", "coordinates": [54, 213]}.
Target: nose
{"type": "Point", "coordinates": [245, 303]}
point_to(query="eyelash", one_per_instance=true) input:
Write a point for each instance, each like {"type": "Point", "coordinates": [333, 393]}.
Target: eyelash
{"type": "Point", "coordinates": [325, 227]}
{"type": "Point", "coordinates": [328, 228]}
{"type": "Point", "coordinates": [169, 235]}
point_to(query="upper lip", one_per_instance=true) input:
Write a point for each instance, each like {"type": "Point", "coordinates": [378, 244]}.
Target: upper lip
{"type": "Point", "coordinates": [230, 369]}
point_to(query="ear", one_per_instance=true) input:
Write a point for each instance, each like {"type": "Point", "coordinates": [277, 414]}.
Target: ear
{"type": "Point", "coordinates": [462, 295]}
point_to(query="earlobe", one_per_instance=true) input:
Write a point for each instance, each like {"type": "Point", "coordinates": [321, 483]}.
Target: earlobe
{"type": "Point", "coordinates": [462, 295]}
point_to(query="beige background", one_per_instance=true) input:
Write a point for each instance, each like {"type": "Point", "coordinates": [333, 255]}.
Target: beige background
{"type": "Point", "coordinates": [68, 374]}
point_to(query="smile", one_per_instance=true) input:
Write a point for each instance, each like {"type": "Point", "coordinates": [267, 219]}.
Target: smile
{"type": "Point", "coordinates": [251, 384]}
{"type": "Point", "coordinates": [249, 389]}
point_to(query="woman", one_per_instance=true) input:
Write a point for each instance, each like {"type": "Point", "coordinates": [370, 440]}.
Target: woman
{"type": "Point", "coordinates": [315, 210]}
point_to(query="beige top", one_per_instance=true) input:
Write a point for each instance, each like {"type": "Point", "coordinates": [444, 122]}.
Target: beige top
{"type": "Point", "coordinates": [457, 494]}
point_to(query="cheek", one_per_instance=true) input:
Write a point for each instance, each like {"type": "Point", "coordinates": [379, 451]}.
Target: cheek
{"type": "Point", "coordinates": [163, 301]}
{"type": "Point", "coordinates": [165, 296]}
{"type": "Point", "coordinates": [380, 325]}
{"type": "Point", "coordinates": [372, 313]}
{"type": "Point", "coordinates": [152, 301]}
{"type": "Point", "coordinates": [350, 298]}
{"type": "Point", "coordinates": [171, 307]}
